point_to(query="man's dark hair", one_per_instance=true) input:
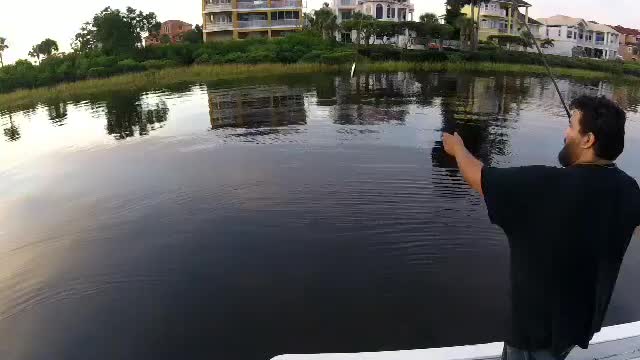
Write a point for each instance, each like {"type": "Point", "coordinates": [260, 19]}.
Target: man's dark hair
{"type": "Point", "coordinates": [606, 120]}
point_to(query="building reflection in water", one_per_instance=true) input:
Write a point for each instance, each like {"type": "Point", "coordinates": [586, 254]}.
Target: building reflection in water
{"type": "Point", "coordinates": [257, 107]}
{"type": "Point", "coordinates": [480, 110]}
{"type": "Point", "coordinates": [370, 99]}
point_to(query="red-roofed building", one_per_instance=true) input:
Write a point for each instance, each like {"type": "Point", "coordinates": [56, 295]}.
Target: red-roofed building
{"type": "Point", "coordinates": [629, 43]}
{"type": "Point", "coordinates": [172, 30]}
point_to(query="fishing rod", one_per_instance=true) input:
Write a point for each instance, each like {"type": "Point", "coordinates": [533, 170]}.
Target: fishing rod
{"type": "Point", "coordinates": [544, 60]}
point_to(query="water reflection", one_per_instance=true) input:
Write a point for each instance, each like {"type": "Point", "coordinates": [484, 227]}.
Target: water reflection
{"type": "Point", "coordinates": [57, 112]}
{"type": "Point", "coordinates": [350, 232]}
{"type": "Point", "coordinates": [11, 130]}
{"type": "Point", "coordinates": [128, 116]}
{"type": "Point", "coordinates": [257, 107]}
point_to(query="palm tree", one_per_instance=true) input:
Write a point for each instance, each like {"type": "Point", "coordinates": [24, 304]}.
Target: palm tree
{"type": "Point", "coordinates": [325, 21]}
{"type": "Point", "coordinates": [547, 43]}
{"type": "Point", "coordinates": [466, 26]}
{"type": "Point", "coordinates": [35, 52]}
{"type": "Point", "coordinates": [3, 47]}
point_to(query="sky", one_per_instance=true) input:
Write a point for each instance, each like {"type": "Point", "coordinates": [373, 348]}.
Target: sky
{"type": "Point", "coordinates": [27, 22]}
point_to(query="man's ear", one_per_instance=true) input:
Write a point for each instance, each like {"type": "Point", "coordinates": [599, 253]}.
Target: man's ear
{"type": "Point", "coordinates": [588, 141]}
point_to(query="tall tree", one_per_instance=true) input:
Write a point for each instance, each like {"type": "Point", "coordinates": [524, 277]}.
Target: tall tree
{"type": "Point", "coordinates": [194, 36]}
{"type": "Point", "coordinates": [429, 18]}
{"type": "Point", "coordinates": [47, 47]}
{"type": "Point", "coordinates": [35, 53]}
{"type": "Point", "coordinates": [359, 23]}
{"type": "Point", "coordinates": [325, 22]}
{"type": "Point", "coordinates": [3, 47]}
{"type": "Point", "coordinates": [44, 49]}
{"type": "Point", "coordinates": [115, 32]}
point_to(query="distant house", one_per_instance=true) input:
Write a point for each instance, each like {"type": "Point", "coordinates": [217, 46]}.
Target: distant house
{"type": "Point", "coordinates": [578, 37]}
{"type": "Point", "coordinates": [173, 29]}
{"type": "Point", "coordinates": [382, 10]}
{"type": "Point", "coordinates": [629, 43]}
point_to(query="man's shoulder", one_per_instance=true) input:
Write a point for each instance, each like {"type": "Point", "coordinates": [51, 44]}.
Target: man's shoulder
{"type": "Point", "coordinates": [525, 171]}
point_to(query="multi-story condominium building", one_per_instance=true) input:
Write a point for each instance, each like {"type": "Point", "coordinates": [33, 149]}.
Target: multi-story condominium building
{"type": "Point", "coordinates": [497, 17]}
{"type": "Point", "coordinates": [241, 19]}
{"type": "Point", "coordinates": [577, 37]}
{"type": "Point", "coordinates": [385, 10]}
{"type": "Point", "coordinates": [629, 43]}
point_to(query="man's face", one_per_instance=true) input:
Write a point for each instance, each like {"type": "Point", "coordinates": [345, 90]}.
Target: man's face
{"type": "Point", "coordinates": [573, 141]}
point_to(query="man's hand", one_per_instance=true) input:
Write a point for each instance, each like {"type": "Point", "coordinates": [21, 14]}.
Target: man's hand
{"type": "Point", "coordinates": [452, 143]}
{"type": "Point", "coordinates": [470, 167]}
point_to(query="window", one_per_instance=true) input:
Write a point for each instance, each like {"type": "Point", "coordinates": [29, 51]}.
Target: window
{"type": "Point", "coordinates": [379, 11]}
{"type": "Point", "coordinates": [575, 35]}
{"type": "Point", "coordinates": [547, 32]}
{"type": "Point", "coordinates": [393, 13]}
{"type": "Point", "coordinates": [559, 32]}
{"type": "Point", "coordinates": [388, 11]}
{"type": "Point", "coordinates": [346, 15]}
{"type": "Point", "coordinates": [569, 34]}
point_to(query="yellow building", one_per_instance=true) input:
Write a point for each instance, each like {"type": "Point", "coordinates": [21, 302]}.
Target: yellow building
{"type": "Point", "coordinates": [242, 19]}
{"type": "Point", "coordinates": [497, 17]}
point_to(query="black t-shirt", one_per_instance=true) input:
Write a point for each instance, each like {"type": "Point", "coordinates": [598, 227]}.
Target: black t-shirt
{"type": "Point", "coordinates": [568, 230]}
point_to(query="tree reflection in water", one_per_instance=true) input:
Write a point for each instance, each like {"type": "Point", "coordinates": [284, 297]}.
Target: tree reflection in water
{"type": "Point", "coordinates": [128, 116]}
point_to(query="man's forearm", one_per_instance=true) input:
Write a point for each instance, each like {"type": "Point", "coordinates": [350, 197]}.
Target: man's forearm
{"type": "Point", "coordinates": [471, 169]}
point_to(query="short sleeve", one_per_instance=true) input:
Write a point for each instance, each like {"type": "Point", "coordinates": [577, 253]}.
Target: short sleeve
{"type": "Point", "coordinates": [509, 192]}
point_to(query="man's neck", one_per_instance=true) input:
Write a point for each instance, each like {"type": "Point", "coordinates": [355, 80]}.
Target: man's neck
{"type": "Point", "coordinates": [593, 161]}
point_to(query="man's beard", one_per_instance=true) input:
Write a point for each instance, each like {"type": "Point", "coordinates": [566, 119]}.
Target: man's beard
{"type": "Point", "coordinates": [566, 156]}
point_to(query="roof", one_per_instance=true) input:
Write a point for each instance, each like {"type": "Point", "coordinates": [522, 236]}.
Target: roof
{"type": "Point", "coordinates": [562, 20]}
{"type": "Point", "coordinates": [518, 2]}
{"type": "Point", "coordinates": [625, 31]}
{"type": "Point", "coordinates": [176, 21]}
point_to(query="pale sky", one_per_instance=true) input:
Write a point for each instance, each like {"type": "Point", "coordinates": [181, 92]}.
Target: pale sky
{"type": "Point", "coordinates": [27, 22]}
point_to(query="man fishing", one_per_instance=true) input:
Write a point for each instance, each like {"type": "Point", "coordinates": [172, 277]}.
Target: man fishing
{"type": "Point", "coordinates": [568, 230]}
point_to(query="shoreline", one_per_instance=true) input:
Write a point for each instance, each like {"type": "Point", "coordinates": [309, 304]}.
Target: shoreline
{"type": "Point", "coordinates": [149, 80]}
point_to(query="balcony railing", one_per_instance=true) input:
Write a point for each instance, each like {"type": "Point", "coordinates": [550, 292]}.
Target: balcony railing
{"type": "Point", "coordinates": [344, 3]}
{"type": "Point", "coordinates": [217, 7]}
{"type": "Point", "coordinates": [599, 42]}
{"type": "Point", "coordinates": [218, 26]}
{"type": "Point", "coordinates": [252, 4]}
{"type": "Point", "coordinates": [253, 24]}
{"type": "Point", "coordinates": [502, 13]}
{"type": "Point", "coordinates": [285, 4]}
{"type": "Point", "coordinates": [285, 23]}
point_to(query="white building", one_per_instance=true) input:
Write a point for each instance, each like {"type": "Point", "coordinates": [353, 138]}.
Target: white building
{"type": "Point", "coordinates": [383, 10]}
{"type": "Point", "coordinates": [577, 37]}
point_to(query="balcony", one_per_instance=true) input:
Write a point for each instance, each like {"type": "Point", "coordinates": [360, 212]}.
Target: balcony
{"type": "Point", "coordinates": [252, 5]}
{"type": "Point", "coordinates": [253, 24]}
{"type": "Point", "coordinates": [347, 3]}
{"type": "Point", "coordinates": [599, 42]}
{"type": "Point", "coordinates": [285, 23]}
{"type": "Point", "coordinates": [285, 4]}
{"type": "Point", "coordinates": [218, 26]}
{"type": "Point", "coordinates": [490, 12]}
{"type": "Point", "coordinates": [217, 7]}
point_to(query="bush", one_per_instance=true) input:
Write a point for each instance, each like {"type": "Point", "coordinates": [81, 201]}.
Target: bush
{"type": "Point", "coordinates": [158, 64]}
{"type": "Point", "coordinates": [423, 56]}
{"type": "Point", "coordinates": [98, 72]}
{"type": "Point", "coordinates": [130, 65]}
{"type": "Point", "coordinates": [339, 57]}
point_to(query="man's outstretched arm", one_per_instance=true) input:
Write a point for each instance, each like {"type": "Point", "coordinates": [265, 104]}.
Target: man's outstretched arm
{"type": "Point", "coordinates": [470, 167]}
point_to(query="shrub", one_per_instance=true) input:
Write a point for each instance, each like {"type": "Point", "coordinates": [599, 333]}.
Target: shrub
{"type": "Point", "coordinates": [129, 65]}
{"type": "Point", "coordinates": [158, 64]}
{"type": "Point", "coordinates": [339, 57]}
{"type": "Point", "coordinates": [98, 72]}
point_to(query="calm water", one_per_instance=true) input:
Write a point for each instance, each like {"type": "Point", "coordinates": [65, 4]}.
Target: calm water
{"type": "Point", "coordinates": [246, 220]}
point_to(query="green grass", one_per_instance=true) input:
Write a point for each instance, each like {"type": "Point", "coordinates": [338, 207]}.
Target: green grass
{"type": "Point", "coordinates": [195, 74]}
